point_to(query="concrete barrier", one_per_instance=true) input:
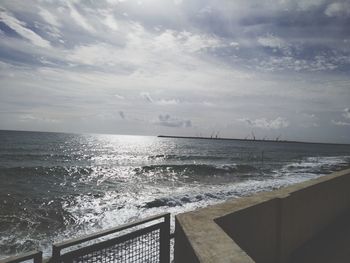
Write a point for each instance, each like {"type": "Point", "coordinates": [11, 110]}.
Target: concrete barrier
{"type": "Point", "coordinates": [266, 227]}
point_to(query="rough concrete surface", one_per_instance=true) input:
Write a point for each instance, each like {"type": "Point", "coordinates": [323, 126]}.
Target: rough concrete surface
{"type": "Point", "coordinates": [287, 225]}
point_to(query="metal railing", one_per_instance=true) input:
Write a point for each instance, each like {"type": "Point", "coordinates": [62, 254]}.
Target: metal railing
{"type": "Point", "coordinates": [35, 256]}
{"type": "Point", "coordinates": [146, 240]}
{"type": "Point", "coordinates": [147, 244]}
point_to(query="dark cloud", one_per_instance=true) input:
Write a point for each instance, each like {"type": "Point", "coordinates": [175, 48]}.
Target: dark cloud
{"type": "Point", "coordinates": [147, 97]}
{"type": "Point", "coordinates": [122, 115]}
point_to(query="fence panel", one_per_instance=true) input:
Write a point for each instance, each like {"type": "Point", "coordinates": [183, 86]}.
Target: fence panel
{"type": "Point", "coordinates": [34, 256]}
{"type": "Point", "coordinates": [150, 244]}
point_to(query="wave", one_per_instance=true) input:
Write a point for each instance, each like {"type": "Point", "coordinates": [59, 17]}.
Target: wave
{"type": "Point", "coordinates": [31, 223]}
{"type": "Point", "coordinates": [37, 171]}
{"type": "Point", "coordinates": [43, 156]}
{"type": "Point", "coordinates": [186, 157]}
{"type": "Point", "coordinates": [85, 213]}
{"type": "Point", "coordinates": [197, 169]}
{"type": "Point", "coordinates": [308, 168]}
{"type": "Point", "coordinates": [245, 156]}
{"type": "Point", "coordinates": [317, 165]}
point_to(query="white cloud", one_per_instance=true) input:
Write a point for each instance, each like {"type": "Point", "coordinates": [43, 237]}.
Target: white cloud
{"type": "Point", "coordinates": [308, 4]}
{"type": "Point", "coordinates": [209, 67]}
{"type": "Point", "coordinates": [35, 118]}
{"type": "Point", "coordinates": [340, 123]}
{"type": "Point", "coordinates": [338, 9]}
{"type": "Point", "coordinates": [234, 44]}
{"type": "Point", "coordinates": [208, 104]}
{"type": "Point", "coordinates": [120, 97]}
{"type": "Point", "coordinates": [185, 41]}
{"type": "Point", "coordinates": [309, 115]}
{"type": "Point", "coordinates": [205, 10]}
{"type": "Point", "coordinates": [110, 22]}
{"type": "Point", "coordinates": [276, 43]}
{"type": "Point", "coordinates": [271, 41]}
{"type": "Point", "coordinates": [100, 54]}
{"type": "Point", "coordinates": [49, 17]}
{"type": "Point", "coordinates": [146, 96]}
{"type": "Point", "coordinates": [113, 2]}
{"type": "Point", "coordinates": [178, 2]}
{"type": "Point", "coordinates": [144, 49]}
{"type": "Point", "coordinates": [22, 30]}
{"type": "Point", "coordinates": [78, 18]}
{"type": "Point", "coordinates": [288, 62]}
{"type": "Point", "coordinates": [168, 102]}
{"type": "Point", "coordinates": [346, 113]}
{"type": "Point", "coordinates": [263, 123]}
{"type": "Point", "coordinates": [174, 122]}
{"type": "Point", "coordinates": [196, 42]}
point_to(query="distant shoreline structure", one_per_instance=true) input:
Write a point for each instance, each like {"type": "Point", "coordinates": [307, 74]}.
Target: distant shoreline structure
{"type": "Point", "coordinates": [245, 140]}
{"type": "Point", "coordinates": [181, 137]}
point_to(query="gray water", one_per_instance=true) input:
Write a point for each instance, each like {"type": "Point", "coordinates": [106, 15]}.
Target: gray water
{"type": "Point", "coordinates": [56, 186]}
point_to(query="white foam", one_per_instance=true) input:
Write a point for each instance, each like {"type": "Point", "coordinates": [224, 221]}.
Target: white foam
{"type": "Point", "coordinates": [93, 213]}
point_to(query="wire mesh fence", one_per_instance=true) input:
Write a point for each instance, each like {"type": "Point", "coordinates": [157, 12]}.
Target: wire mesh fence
{"type": "Point", "coordinates": [146, 241]}
{"type": "Point", "coordinates": [143, 248]}
{"type": "Point", "coordinates": [150, 244]}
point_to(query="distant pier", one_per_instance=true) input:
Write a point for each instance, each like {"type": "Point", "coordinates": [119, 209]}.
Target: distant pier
{"type": "Point", "coordinates": [245, 140]}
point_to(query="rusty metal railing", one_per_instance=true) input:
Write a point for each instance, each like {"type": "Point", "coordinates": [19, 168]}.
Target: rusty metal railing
{"type": "Point", "coordinates": [35, 256]}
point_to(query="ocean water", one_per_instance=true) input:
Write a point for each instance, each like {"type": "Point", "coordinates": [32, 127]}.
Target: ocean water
{"type": "Point", "coordinates": [56, 186]}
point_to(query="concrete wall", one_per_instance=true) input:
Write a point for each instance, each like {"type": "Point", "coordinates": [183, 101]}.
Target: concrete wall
{"type": "Point", "coordinates": [307, 211]}
{"type": "Point", "coordinates": [266, 227]}
{"type": "Point", "coordinates": [255, 230]}
{"type": "Point", "coordinates": [183, 246]}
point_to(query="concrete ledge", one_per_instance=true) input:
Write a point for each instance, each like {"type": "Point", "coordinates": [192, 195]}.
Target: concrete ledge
{"type": "Point", "coordinates": [267, 227]}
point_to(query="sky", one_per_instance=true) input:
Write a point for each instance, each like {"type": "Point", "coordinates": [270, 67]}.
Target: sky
{"type": "Point", "coordinates": [244, 68]}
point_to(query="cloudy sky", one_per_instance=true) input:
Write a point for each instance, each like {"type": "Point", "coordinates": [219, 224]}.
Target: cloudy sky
{"type": "Point", "coordinates": [272, 68]}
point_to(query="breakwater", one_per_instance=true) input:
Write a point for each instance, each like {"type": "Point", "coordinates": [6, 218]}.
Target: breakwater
{"type": "Point", "coordinates": [245, 140]}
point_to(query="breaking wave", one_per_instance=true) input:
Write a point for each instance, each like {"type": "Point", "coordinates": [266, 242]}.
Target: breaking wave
{"type": "Point", "coordinates": [59, 187]}
{"type": "Point", "coordinates": [198, 169]}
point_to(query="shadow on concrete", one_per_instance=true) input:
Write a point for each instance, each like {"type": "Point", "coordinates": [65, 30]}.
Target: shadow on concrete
{"type": "Point", "coordinates": [330, 245]}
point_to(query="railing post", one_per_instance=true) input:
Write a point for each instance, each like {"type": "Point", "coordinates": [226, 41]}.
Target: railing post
{"type": "Point", "coordinates": [56, 253]}
{"type": "Point", "coordinates": [38, 258]}
{"type": "Point", "coordinates": [165, 240]}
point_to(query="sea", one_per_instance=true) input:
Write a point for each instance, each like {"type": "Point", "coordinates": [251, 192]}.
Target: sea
{"type": "Point", "coordinates": [57, 186]}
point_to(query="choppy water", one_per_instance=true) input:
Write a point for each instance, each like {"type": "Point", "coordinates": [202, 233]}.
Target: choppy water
{"type": "Point", "coordinates": [56, 186]}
